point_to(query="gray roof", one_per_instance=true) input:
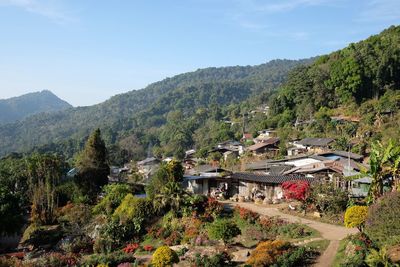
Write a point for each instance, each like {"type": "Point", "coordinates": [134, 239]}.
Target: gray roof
{"type": "Point", "coordinates": [344, 154]}
{"type": "Point", "coordinates": [269, 179]}
{"type": "Point", "coordinates": [147, 161]}
{"type": "Point", "coordinates": [316, 141]}
{"type": "Point", "coordinates": [363, 180]}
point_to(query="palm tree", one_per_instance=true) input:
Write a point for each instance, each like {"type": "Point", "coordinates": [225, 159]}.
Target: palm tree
{"type": "Point", "coordinates": [171, 197]}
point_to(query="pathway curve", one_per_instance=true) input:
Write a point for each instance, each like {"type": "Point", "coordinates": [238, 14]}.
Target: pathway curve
{"type": "Point", "coordinates": [333, 233]}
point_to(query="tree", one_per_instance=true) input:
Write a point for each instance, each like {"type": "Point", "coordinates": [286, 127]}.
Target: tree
{"type": "Point", "coordinates": [44, 172]}
{"type": "Point", "coordinates": [92, 165]}
{"type": "Point", "coordinates": [384, 162]}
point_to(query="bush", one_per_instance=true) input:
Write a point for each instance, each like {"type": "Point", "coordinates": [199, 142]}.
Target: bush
{"type": "Point", "coordinates": [112, 235]}
{"type": "Point", "coordinates": [382, 224]}
{"type": "Point", "coordinates": [328, 199]}
{"type": "Point", "coordinates": [114, 194]}
{"type": "Point", "coordinates": [55, 259]}
{"type": "Point", "coordinates": [293, 230]}
{"type": "Point", "coordinates": [246, 214]}
{"type": "Point", "coordinates": [218, 260]}
{"type": "Point", "coordinates": [355, 216]}
{"type": "Point", "coordinates": [213, 209]}
{"type": "Point", "coordinates": [267, 253]}
{"type": "Point", "coordinates": [131, 248]}
{"type": "Point", "coordinates": [110, 259]}
{"type": "Point", "coordinates": [164, 256]}
{"type": "Point", "coordinates": [75, 215]}
{"type": "Point", "coordinates": [355, 250]}
{"type": "Point", "coordinates": [38, 236]}
{"type": "Point", "coordinates": [297, 257]}
{"type": "Point", "coordinates": [77, 244]}
{"type": "Point", "coordinates": [295, 189]}
{"type": "Point", "coordinates": [223, 229]}
{"type": "Point", "coordinates": [133, 211]}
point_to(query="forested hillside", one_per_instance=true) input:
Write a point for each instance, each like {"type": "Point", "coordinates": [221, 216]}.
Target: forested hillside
{"type": "Point", "coordinates": [359, 84]}
{"type": "Point", "coordinates": [65, 130]}
{"type": "Point", "coordinates": [20, 107]}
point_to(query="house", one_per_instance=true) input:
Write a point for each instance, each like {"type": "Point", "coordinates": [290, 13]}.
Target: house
{"type": "Point", "coordinates": [246, 137]}
{"type": "Point", "coordinates": [360, 187]}
{"type": "Point", "coordinates": [117, 173]}
{"type": "Point", "coordinates": [338, 154]}
{"type": "Point", "coordinates": [264, 135]}
{"type": "Point", "coordinates": [268, 167]}
{"type": "Point", "coordinates": [270, 146]}
{"type": "Point", "coordinates": [248, 184]}
{"type": "Point", "coordinates": [207, 180]}
{"type": "Point", "coordinates": [316, 145]}
{"type": "Point", "coordinates": [148, 167]}
{"type": "Point", "coordinates": [233, 146]}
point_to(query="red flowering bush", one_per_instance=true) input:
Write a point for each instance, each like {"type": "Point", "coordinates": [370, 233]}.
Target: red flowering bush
{"type": "Point", "coordinates": [131, 248]}
{"type": "Point", "coordinates": [295, 190]}
{"type": "Point", "coordinates": [246, 214]}
{"type": "Point", "coordinates": [148, 248]}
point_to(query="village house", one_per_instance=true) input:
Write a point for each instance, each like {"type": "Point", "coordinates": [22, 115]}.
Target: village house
{"type": "Point", "coordinates": [207, 180]}
{"type": "Point", "coordinates": [269, 146]}
{"type": "Point", "coordinates": [148, 167]}
{"type": "Point", "coordinates": [258, 185]}
{"type": "Point", "coordinates": [315, 145]}
{"type": "Point", "coordinates": [264, 135]}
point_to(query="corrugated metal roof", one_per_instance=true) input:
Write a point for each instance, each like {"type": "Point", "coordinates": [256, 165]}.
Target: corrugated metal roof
{"type": "Point", "coordinates": [309, 141]}
{"type": "Point", "coordinates": [269, 179]}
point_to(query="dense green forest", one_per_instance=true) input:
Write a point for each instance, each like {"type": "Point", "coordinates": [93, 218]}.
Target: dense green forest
{"type": "Point", "coordinates": [360, 82]}
{"type": "Point", "coordinates": [124, 117]}
{"type": "Point", "coordinates": [20, 107]}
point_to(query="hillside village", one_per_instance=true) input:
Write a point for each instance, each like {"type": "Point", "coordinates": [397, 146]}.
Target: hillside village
{"type": "Point", "coordinates": [214, 168]}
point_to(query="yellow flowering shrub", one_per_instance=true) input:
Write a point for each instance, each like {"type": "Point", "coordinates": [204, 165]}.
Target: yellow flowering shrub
{"type": "Point", "coordinates": [355, 216]}
{"type": "Point", "coordinates": [164, 256]}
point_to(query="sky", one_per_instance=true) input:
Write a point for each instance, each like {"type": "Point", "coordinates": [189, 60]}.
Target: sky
{"type": "Point", "coordinates": [87, 51]}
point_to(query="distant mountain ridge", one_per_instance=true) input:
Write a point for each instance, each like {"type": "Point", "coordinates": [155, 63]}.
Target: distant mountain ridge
{"type": "Point", "coordinates": [21, 107]}
{"type": "Point", "coordinates": [147, 107]}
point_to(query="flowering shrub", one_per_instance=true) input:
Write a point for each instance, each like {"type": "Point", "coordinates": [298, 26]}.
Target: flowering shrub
{"type": "Point", "coordinates": [355, 217]}
{"type": "Point", "coordinates": [58, 259]}
{"type": "Point", "coordinates": [148, 248]}
{"type": "Point", "coordinates": [164, 256]}
{"type": "Point", "coordinates": [246, 214]}
{"type": "Point", "coordinates": [131, 248]}
{"type": "Point", "coordinates": [213, 208]}
{"type": "Point", "coordinates": [295, 190]}
{"type": "Point", "coordinates": [192, 226]}
{"type": "Point", "coordinates": [267, 253]}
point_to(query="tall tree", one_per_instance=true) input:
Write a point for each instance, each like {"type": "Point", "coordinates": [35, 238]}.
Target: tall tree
{"type": "Point", "coordinates": [44, 173]}
{"type": "Point", "coordinates": [92, 165]}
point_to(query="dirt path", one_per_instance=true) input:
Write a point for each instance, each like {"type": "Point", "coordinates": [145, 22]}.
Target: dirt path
{"type": "Point", "coordinates": [333, 233]}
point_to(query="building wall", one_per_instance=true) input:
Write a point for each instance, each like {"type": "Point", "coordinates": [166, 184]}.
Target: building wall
{"type": "Point", "coordinates": [270, 191]}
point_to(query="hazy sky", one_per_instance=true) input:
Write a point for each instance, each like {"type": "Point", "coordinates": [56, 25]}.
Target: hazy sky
{"type": "Point", "coordinates": [88, 50]}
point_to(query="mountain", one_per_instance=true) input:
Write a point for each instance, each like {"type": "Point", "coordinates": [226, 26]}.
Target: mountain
{"type": "Point", "coordinates": [147, 107]}
{"type": "Point", "coordinates": [18, 108]}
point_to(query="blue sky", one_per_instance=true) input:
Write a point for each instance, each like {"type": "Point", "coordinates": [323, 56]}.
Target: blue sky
{"type": "Point", "coordinates": [87, 51]}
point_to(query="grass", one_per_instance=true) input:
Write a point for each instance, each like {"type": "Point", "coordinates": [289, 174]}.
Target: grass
{"type": "Point", "coordinates": [334, 219]}
{"type": "Point", "coordinates": [318, 245]}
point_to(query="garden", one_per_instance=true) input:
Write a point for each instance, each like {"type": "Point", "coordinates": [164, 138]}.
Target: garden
{"type": "Point", "coordinates": [169, 226]}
